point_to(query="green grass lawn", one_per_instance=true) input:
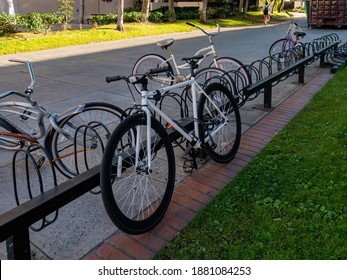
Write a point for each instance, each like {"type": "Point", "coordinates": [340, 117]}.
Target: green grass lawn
{"type": "Point", "coordinates": [26, 42]}
{"type": "Point", "coordinates": [290, 202]}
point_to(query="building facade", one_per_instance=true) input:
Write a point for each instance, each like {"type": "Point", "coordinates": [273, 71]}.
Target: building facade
{"type": "Point", "coordinates": [51, 6]}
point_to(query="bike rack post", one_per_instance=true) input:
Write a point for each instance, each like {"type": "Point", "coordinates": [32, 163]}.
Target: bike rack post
{"type": "Point", "coordinates": [18, 245]}
{"type": "Point", "coordinates": [267, 96]}
{"type": "Point", "coordinates": [301, 74]}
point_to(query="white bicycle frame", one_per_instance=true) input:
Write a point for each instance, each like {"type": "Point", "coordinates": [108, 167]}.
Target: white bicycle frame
{"type": "Point", "coordinates": [207, 51]}
{"type": "Point", "coordinates": [191, 137]}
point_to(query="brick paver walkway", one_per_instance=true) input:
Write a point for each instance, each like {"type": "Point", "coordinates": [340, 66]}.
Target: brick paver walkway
{"type": "Point", "coordinates": [193, 193]}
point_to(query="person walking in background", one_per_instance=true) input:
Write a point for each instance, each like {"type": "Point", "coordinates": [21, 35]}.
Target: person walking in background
{"type": "Point", "coordinates": [266, 12]}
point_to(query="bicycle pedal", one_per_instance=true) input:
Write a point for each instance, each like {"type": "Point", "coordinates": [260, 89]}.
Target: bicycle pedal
{"type": "Point", "coordinates": [189, 166]}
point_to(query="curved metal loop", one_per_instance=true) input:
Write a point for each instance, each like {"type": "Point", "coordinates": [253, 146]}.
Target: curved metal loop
{"type": "Point", "coordinates": [91, 140]}
{"type": "Point", "coordinates": [27, 167]}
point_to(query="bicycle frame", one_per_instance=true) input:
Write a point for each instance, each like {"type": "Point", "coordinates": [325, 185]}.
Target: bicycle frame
{"type": "Point", "coordinates": [291, 37]}
{"type": "Point", "coordinates": [206, 52]}
{"type": "Point", "coordinates": [191, 137]}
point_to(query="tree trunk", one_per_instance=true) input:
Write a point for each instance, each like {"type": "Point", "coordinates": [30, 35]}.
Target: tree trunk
{"type": "Point", "coordinates": [172, 15]}
{"type": "Point", "coordinates": [245, 8]}
{"type": "Point", "coordinates": [279, 5]}
{"type": "Point", "coordinates": [6, 6]}
{"type": "Point", "coordinates": [203, 11]}
{"type": "Point", "coordinates": [120, 15]}
{"type": "Point", "coordinates": [241, 6]}
{"type": "Point", "coordinates": [81, 12]}
{"type": "Point", "coordinates": [272, 6]}
{"type": "Point", "coordinates": [145, 10]}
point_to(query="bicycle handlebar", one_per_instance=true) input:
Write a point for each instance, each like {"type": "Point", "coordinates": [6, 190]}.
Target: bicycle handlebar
{"type": "Point", "coordinates": [202, 30]}
{"type": "Point", "coordinates": [114, 78]}
{"type": "Point", "coordinates": [31, 72]}
{"type": "Point", "coordinates": [139, 80]}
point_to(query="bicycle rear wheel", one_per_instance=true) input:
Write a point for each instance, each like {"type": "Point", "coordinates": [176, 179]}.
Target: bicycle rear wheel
{"type": "Point", "coordinates": [235, 68]}
{"type": "Point", "coordinates": [220, 123]}
{"type": "Point", "coordinates": [136, 195]}
{"type": "Point", "coordinates": [280, 47]}
{"type": "Point", "coordinates": [152, 61]}
{"type": "Point", "coordinates": [210, 75]}
{"type": "Point", "coordinates": [91, 128]}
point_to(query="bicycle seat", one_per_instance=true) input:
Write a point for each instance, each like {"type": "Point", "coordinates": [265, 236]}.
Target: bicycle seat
{"type": "Point", "coordinates": [164, 44]}
{"type": "Point", "coordinates": [299, 34]}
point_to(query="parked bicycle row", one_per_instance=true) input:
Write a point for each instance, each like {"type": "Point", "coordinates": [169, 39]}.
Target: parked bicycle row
{"type": "Point", "coordinates": [138, 159]}
{"type": "Point", "coordinates": [197, 111]}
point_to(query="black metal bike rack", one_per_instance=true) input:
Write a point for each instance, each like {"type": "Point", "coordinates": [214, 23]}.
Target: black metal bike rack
{"type": "Point", "coordinates": [271, 70]}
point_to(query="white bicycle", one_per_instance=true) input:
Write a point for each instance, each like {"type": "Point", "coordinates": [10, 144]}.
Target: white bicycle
{"type": "Point", "coordinates": [174, 75]}
{"type": "Point", "coordinates": [138, 167]}
{"type": "Point", "coordinates": [74, 139]}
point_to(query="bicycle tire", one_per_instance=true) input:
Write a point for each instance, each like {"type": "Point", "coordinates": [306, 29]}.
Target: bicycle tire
{"type": "Point", "coordinates": [94, 124]}
{"type": "Point", "coordinates": [135, 198]}
{"type": "Point", "coordinates": [279, 47]}
{"type": "Point", "coordinates": [235, 68]}
{"type": "Point", "coordinates": [151, 61]}
{"type": "Point", "coordinates": [209, 75]}
{"type": "Point", "coordinates": [221, 145]}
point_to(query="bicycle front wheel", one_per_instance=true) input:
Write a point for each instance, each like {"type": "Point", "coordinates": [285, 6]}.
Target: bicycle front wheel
{"type": "Point", "coordinates": [91, 128]}
{"type": "Point", "coordinates": [136, 192]}
{"type": "Point", "coordinates": [152, 61]}
{"type": "Point", "coordinates": [220, 123]}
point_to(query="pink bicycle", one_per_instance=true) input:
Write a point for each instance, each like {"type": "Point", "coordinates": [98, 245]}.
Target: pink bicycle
{"type": "Point", "coordinates": [283, 47]}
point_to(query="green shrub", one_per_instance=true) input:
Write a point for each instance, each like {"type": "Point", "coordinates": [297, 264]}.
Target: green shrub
{"type": "Point", "coordinates": [111, 18]}
{"type": "Point", "coordinates": [211, 13]}
{"type": "Point", "coordinates": [66, 9]}
{"type": "Point", "coordinates": [31, 22]}
{"type": "Point", "coordinates": [50, 19]}
{"type": "Point", "coordinates": [105, 19]}
{"type": "Point", "coordinates": [38, 23]}
{"type": "Point", "coordinates": [168, 15]}
{"type": "Point", "coordinates": [186, 13]}
{"type": "Point", "coordinates": [132, 17]}
{"type": "Point", "coordinates": [156, 17]}
{"type": "Point", "coordinates": [7, 24]}
{"type": "Point", "coordinates": [218, 12]}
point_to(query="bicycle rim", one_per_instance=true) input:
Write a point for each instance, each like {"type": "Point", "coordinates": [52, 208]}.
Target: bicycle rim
{"type": "Point", "coordinates": [220, 123]}
{"type": "Point", "coordinates": [91, 130]}
{"type": "Point", "coordinates": [152, 61]}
